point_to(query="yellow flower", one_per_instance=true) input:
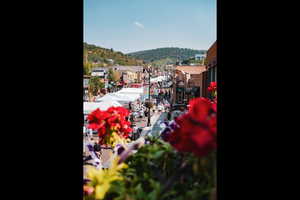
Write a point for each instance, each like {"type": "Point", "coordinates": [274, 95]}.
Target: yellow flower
{"type": "Point", "coordinates": [115, 139]}
{"type": "Point", "coordinates": [101, 179]}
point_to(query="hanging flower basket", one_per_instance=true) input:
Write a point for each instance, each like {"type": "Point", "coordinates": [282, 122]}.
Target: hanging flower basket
{"type": "Point", "coordinates": [149, 104]}
{"type": "Point", "coordinates": [213, 89]}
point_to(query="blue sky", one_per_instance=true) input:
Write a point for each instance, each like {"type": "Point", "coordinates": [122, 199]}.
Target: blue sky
{"type": "Point", "coordinates": [134, 25]}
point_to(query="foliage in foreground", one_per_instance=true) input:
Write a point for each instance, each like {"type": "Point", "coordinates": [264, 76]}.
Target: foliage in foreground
{"type": "Point", "coordinates": [157, 171]}
{"type": "Point", "coordinates": [101, 179]}
{"type": "Point", "coordinates": [183, 168]}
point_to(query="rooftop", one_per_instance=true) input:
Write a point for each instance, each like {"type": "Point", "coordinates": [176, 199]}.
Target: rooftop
{"type": "Point", "coordinates": [211, 58]}
{"type": "Point", "coordinates": [197, 69]}
{"type": "Point", "coordinates": [212, 48]}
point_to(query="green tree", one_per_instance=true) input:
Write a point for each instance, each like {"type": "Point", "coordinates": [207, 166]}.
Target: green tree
{"type": "Point", "coordinates": [87, 68]}
{"type": "Point", "coordinates": [113, 75]}
{"type": "Point", "coordinates": [96, 85]}
{"type": "Point", "coordinates": [85, 55]}
{"type": "Point", "coordinates": [165, 53]}
{"type": "Point", "coordinates": [99, 54]}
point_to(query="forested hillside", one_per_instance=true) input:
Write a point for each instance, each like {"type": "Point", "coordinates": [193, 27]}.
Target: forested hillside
{"type": "Point", "coordinates": [101, 55]}
{"type": "Point", "coordinates": [166, 55]}
{"type": "Point", "coordinates": [95, 56]}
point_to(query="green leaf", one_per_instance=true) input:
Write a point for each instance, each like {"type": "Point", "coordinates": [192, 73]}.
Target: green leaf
{"type": "Point", "coordinates": [158, 154]}
{"type": "Point", "coordinates": [139, 191]}
{"type": "Point", "coordinates": [152, 195]}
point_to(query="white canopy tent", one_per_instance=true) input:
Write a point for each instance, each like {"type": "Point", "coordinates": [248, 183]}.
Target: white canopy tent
{"type": "Point", "coordinates": [153, 80]}
{"type": "Point", "coordinates": [119, 97]}
{"type": "Point", "coordinates": [139, 91]}
{"type": "Point", "coordinates": [125, 96]}
{"type": "Point", "coordinates": [158, 79]}
{"type": "Point", "coordinates": [104, 105]}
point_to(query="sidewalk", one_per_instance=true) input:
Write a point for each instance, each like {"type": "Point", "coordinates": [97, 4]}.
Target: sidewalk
{"type": "Point", "coordinates": [156, 125]}
{"type": "Point", "coordinates": [143, 122]}
{"type": "Point", "coordinates": [154, 118]}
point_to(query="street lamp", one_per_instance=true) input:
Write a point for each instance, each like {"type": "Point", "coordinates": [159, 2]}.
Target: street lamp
{"type": "Point", "coordinates": [148, 70]}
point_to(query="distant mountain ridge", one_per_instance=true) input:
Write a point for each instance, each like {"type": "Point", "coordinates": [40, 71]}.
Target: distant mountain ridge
{"type": "Point", "coordinates": [167, 54]}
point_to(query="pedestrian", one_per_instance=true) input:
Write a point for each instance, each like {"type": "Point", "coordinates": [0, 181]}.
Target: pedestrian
{"type": "Point", "coordinates": [130, 106]}
{"type": "Point", "coordinates": [131, 118]}
{"type": "Point", "coordinates": [169, 116]}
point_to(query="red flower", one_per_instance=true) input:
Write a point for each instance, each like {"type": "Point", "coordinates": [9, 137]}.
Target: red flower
{"type": "Point", "coordinates": [204, 141]}
{"type": "Point", "coordinates": [110, 120]}
{"type": "Point", "coordinates": [212, 123]}
{"type": "Point", "coordinates": [102, 131]}
{"type": "Point", "coordinates": [199, 108]}
{"type": "Point", "coordinates": [118, 110]}
{"type": "Point", "coordinates": [123, 111]}
{"type": "Point", "coordinates": [196, 131]}
{"type": "Point", "coordinates": [96, 119]}
{"type": "Point", "coordinates": [95, 125]}
{"type": "Point", "coordinates": [212, 87]}
{"type": "Point", "coordinates": [214, 106]}
{"type": "Point", "coordinates": [180, 137]}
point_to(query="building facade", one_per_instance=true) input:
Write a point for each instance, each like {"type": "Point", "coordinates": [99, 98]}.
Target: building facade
{"type": "Point", "coordinates": [211, 66]}
{"type": "Point", "coordinates": [86, 95]}
{"type": "Point", "coordinates": [199, 56]}
{"type": "Point", "coordinates": [100, 72]}
{"type": "Point", "coordinates": [187, 83]}
{"type": "Point", "coordinates": [130, 74]}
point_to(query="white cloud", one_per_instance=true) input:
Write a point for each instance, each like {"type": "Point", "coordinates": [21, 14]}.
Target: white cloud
{"type": "Point", "coordinates": [138, 24]}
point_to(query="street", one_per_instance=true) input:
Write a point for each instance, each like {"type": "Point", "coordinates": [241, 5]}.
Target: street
{"type": "Point", "coordinates": [156, 127]}
{"type": "Point", "coordinates": [156, 119]}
